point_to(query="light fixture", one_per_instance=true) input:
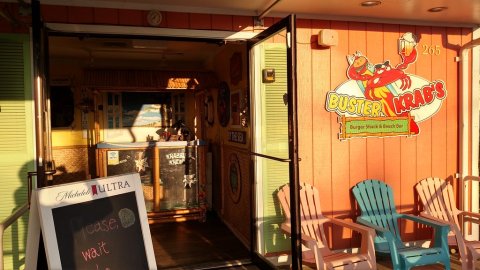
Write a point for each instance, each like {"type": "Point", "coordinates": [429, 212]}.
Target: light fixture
{"type": "Point", "coordinates": [370, 3]}
{"type": "Point", "coordinates": [437, 9]}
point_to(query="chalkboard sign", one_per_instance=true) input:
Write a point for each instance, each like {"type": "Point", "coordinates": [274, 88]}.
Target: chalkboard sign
{"type": "Point", "coordinates": [178, 168]}
{"type": "Point", "coordinates": [97, 224]}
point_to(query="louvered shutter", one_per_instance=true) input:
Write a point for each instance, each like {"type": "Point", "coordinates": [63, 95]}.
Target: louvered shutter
{"type": "Point", "coordinates": [275, 130]}
{"type": "Point", "coordinates": [16, 140]}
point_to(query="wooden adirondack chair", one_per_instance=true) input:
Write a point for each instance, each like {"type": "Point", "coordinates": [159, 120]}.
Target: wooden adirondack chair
{"type": "Point", "coordinates": [439, 204]}
{"type": "Point", "coordinates": [376, 203]}
{"type": "Point", "coordinates": [316, 251]}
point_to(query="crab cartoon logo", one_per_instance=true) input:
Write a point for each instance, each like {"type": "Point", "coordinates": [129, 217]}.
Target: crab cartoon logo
{"type": "Point", "coordinates": [382, 100]}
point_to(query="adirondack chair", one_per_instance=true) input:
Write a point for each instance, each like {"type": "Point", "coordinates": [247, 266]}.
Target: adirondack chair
{"type": "Point", "coordinates": [439, 204]}
{"type": "Point", "coordinates": [316, 251]}
{"type": "Point", "coordinates": [376, 203]}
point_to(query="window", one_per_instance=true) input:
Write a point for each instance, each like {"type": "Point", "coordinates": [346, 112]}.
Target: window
{"type": "Point", "coordinates": [137, 116]}
{"type": "Point", "coordinates": [62, 106]}
{"type": "Point", "coordinates": [178, 108]}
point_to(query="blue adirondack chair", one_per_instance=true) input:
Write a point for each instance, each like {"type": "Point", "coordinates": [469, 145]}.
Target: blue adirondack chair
{"type": "Point", "coordinates": [375, 200]}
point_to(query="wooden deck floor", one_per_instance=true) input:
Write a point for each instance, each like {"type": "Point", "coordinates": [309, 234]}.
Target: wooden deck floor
{"type": "Point", "coordinates": [385, 264]}
{"type": "Point", "coordinates": [211, 245]}
{"type": "Point", "coordinates": [197, 245]}
{"type": "Point", "coordinates": [454, 264]}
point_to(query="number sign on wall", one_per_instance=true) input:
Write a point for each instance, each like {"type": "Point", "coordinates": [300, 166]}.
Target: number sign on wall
{"type": "Point", "coordinates": [97, 224]}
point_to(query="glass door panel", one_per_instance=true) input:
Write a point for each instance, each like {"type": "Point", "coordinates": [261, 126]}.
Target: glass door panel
{"type": "Point", "coordinates": [274, 138]}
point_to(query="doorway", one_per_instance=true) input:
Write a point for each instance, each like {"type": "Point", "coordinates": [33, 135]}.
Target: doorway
{"type": "Point", "coordinates": [103, 91]}
{"type": "Point", "coordinates": [99, 116]}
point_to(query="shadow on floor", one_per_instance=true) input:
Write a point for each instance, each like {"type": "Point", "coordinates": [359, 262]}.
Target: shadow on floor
{"type": "Point", "coordinates": [198, 245]}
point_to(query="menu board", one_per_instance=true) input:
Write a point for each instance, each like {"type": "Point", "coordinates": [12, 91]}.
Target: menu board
{"type": "Point", "coordinates": [97, 224]}
{"type": "Point", "coordinates": [178, 175]}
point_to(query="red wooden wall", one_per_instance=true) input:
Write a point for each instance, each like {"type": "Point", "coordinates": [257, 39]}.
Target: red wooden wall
{"type": "Point", "coordinates": [20, 24]}
{"type": "Point", "coordinates": [335, 166]}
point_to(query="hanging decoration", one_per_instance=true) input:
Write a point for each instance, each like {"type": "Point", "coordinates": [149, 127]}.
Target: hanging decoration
{"type": "Point", "coordinates": [235, 178]}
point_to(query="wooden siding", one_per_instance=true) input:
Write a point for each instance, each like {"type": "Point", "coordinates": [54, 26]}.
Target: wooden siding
{"type": "Point", "coordinates": [236, 213]}
{"type": "Point", "coordinates": [113, 16]}
{"type": "Point", "coordinates": [334, 166]}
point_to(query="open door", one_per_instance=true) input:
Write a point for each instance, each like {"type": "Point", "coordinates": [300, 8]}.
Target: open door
{"type": "Point", "coordinates": [274, 141]}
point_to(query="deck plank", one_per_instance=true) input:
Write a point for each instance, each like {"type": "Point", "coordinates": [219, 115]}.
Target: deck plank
{"type": "Point", "coordinates": [182, 245]}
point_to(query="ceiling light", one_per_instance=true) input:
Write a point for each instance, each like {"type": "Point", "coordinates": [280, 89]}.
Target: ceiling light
{"type": "Point", "coordinates": [437, 9]}
{"type": "Point", "coordinates": [370, 3]}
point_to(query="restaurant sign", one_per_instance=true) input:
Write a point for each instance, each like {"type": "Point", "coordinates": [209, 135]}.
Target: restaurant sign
{"type": "Point", "coordinates": [380, 100]}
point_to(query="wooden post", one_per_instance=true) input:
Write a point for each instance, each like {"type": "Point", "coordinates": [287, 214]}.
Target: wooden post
{"type": "Point", "coordinates": [157, 189]}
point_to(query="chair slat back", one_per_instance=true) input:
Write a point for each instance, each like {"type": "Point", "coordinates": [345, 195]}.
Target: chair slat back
{"type": "Point", "coordinates": [283, 196]}
{"type": "Point", "coordinates": [376, 203]}
{"type": "Point", "coordinates": [438, 200]}
{"type": "Point", "coordinates": [310, 211]}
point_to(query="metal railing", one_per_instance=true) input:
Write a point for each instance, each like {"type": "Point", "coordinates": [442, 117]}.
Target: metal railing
{"type": "Point", "coordinates": [7, 222]}
{"type": "Point", "coordinates": [470, 233]}
{"type": "Point", "coordinates": [19, 212]}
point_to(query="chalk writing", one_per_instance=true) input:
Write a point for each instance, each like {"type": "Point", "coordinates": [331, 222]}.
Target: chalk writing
{"type": "Point", "coordinates": [175, 158]}
{"type": "Point", "coordinates": [95, 252]}
{"type": "Point", "coordinates": [102, 226]}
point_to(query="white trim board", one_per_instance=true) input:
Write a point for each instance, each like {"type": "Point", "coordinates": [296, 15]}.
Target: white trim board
{"type": "Point", "coordinates": [148, 31]}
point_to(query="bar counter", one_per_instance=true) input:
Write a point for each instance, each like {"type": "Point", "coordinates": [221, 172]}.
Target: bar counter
{"type": "Point", "coordinates": [173, 175]}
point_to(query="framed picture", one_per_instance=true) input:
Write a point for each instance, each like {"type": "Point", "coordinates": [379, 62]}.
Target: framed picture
{"type": "Point", "coordinates": [235, 106]}
{"type": "Point", "coordinates": [235, 177]}
{"type": "Point", "coordinates": [223, 106]}
{"type": "Point", "coordinates": [209, 110]}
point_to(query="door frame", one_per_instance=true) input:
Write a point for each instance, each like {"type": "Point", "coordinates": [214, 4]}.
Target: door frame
{"type": "Point", "coordinates": [287, 23]}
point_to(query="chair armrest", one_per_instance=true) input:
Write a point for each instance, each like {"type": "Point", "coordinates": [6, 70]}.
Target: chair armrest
{"type": "Point", "coordinates": [353, 226]}
{"type": "Point", "coordinates": [306, 240]}
{"type": "Point", "coordinates": [368, 235]}
{"type": "Point", "coordinates": [286, 227]}
{"type": "Point", "coordinates": [429, 222]}
{"type": "Point", "coordinates": [430, 217]}
{"type": "Point", "coordinates": [314, 221]}
{"type": "Point", "coordinates": [470, 216]}
{"type": "Point", "coordinates": [441, 229]}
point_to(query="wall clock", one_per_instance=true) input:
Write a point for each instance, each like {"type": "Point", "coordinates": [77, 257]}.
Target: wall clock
{"type": "Point", "coordinates": [154, 17]}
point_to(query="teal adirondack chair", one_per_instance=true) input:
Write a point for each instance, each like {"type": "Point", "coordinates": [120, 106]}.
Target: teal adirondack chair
{"type": "Point", "coordinates": [375, 200]}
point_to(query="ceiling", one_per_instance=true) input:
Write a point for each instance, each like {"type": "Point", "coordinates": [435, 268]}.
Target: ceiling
{"type": "Point", "coordinates": [93, 52]}
{"type": "Point", "coordinates": [164, 54]}
{"type": "Point", "coordinates": [458, 12]}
